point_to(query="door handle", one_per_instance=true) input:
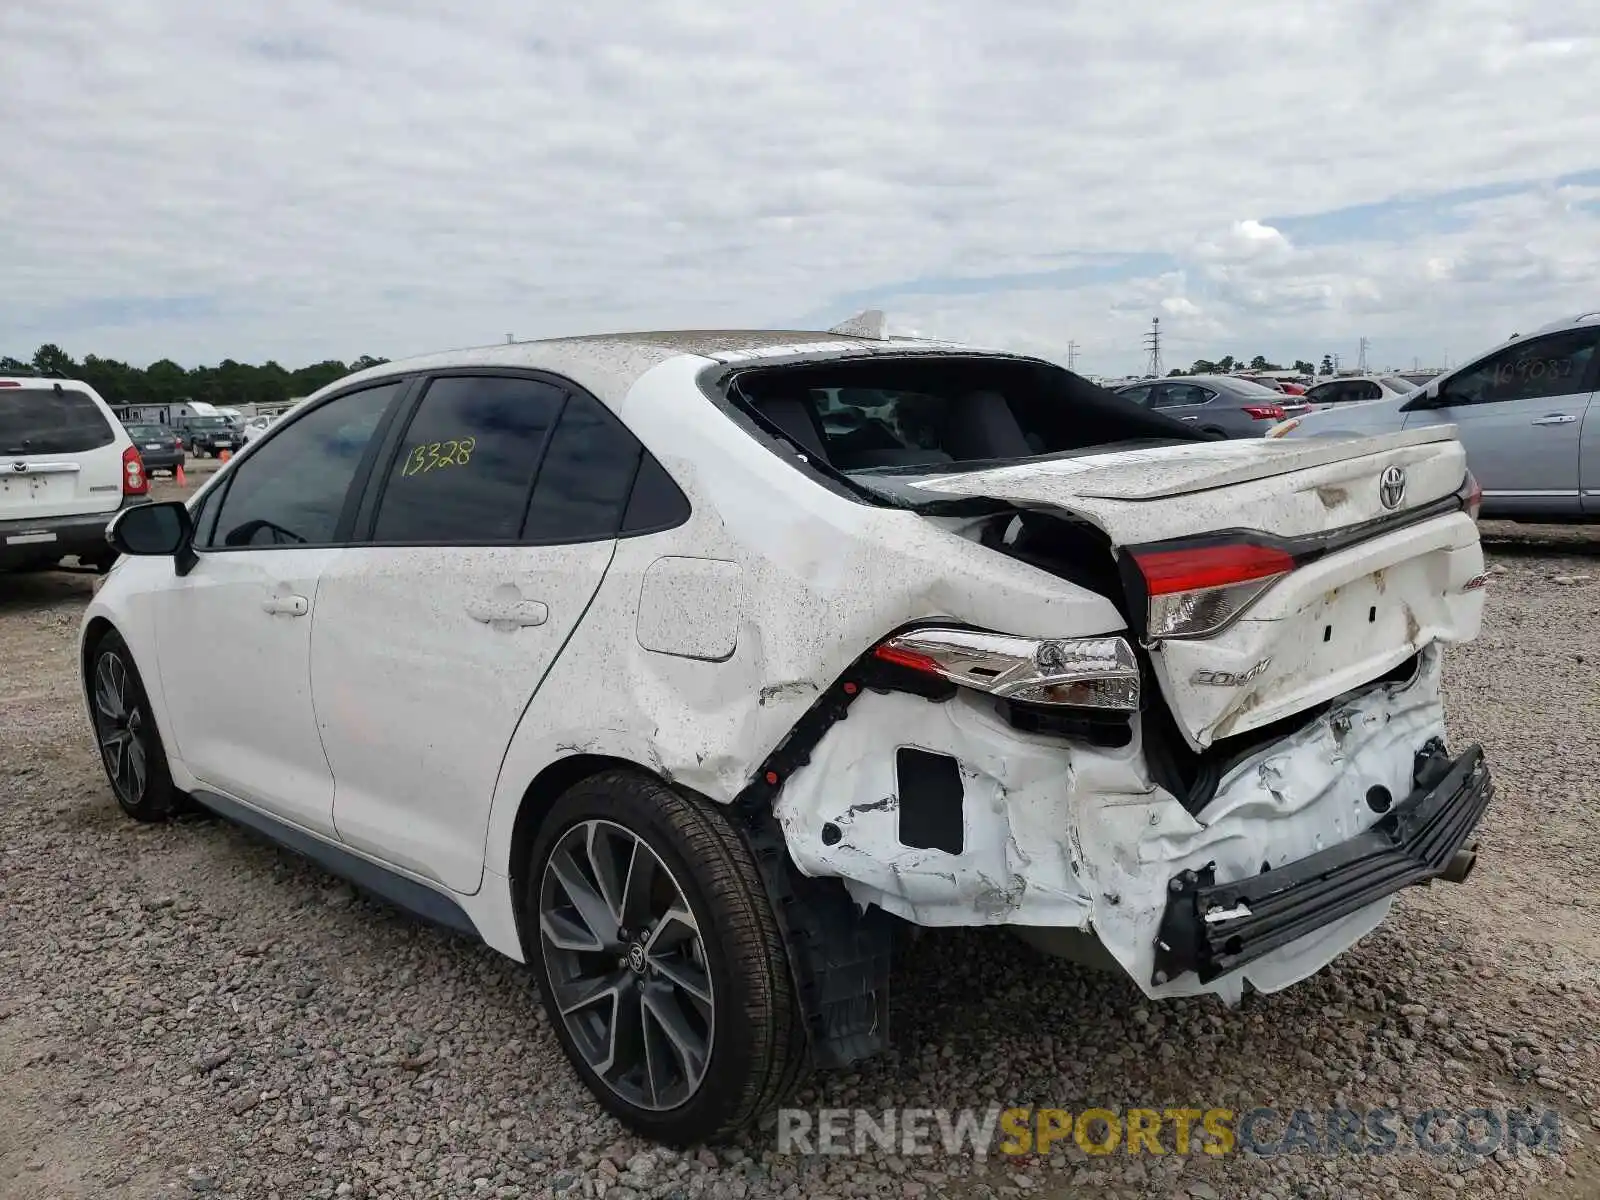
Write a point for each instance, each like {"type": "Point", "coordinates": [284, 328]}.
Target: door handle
{"type": "Point", "coordinates": [1188, 418]}
{"type": "Point", "coordinates": [1556, 419]}
{"type": "Point", "coordinates": [288, 606]}
{"type": "Point", "coordinates": [506, 610]}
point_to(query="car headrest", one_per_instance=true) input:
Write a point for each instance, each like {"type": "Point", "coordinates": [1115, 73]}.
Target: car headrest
{"type": "Point", "coordinates": [982, 425]}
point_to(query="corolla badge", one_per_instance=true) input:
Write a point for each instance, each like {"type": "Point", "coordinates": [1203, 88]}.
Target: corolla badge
{"type": "Point", "coordinates": [1229, 678]}
{"type": "Point", "coordinates": [1392, 486]}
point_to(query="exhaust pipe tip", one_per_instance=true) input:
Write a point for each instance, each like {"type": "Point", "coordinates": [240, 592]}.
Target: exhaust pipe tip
{"type": "Point", "coordinates": [1461, 865]}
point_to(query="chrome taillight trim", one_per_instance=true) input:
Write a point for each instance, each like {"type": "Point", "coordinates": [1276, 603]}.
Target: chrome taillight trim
{"type": "Point", "coordinates": [1159, 621]}
{"type": "Point", "coordinates": [1099, 672]}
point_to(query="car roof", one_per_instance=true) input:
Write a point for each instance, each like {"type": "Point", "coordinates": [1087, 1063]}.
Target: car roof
{"type": "Point", "coordinates": [1585, 318]}
{"type": "Point", "coordinates": [607, 364]}
{"type": "Point", "coordinates": [1224, 382]}
{"type": "Point", "coordinates": [38, 381]}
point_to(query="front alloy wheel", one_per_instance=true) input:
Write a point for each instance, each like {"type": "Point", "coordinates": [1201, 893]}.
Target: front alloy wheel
{"type": "Point", "coordinates": [660, 961]}
{"type": "Point", "coordinates": [120, 727]}
{"type": "Point", "coordinates": [125, 730]}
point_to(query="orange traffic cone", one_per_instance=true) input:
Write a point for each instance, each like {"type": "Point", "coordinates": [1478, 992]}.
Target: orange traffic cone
{"type": "Point", "coordinates": [177, 476]}
{"type": "Point", "coordinates": [224, 455]}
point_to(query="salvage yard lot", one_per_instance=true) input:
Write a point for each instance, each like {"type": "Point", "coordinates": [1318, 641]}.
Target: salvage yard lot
{"type": "Point", "coordinates": [184, 1010]}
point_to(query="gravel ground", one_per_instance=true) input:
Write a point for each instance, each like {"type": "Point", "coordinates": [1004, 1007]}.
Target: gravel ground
{"type": "Point", "coordinates": [185, 1010]}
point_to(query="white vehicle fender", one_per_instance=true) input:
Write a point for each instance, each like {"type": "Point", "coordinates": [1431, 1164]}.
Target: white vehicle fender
{"type": "Point", "coordinates": [706, 643]}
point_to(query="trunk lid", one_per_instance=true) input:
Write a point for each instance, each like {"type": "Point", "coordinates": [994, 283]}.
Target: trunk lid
{"type": "Point", "coordinates": [1370, 584]}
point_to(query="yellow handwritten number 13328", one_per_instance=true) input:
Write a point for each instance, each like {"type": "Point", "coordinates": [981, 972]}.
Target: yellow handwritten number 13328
{"type": "Point", "coordinates": [432, 456]}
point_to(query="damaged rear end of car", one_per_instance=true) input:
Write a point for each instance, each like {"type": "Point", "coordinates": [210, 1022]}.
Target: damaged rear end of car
{"type": "Point", "coordinates": [1225, 791]}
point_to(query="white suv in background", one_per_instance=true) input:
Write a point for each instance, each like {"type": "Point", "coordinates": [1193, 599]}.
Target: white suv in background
{"type": "Point", "coordinates": [66, 467]}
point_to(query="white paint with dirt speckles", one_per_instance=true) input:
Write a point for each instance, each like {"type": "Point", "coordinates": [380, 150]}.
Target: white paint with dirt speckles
{"type": "Point", "coordinates": [693, 651]}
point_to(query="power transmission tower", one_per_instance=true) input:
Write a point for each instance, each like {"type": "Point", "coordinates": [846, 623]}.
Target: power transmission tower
{"type": "Point", "coordinates": [1072, 356]}
{"type": "Point", "coordinates": [1152, 341]}
{"type": "Point", "coordinates": [1361, 358]}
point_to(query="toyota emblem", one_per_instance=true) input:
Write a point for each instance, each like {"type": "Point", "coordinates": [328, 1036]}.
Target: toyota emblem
{"type": "Point", "coordinates": [1392, 486]}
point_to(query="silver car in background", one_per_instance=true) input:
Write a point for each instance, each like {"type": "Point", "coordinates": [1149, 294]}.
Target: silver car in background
{"type": "Point", "coordinates": [1356, 389]}
{"type": "Point", "coordinates": [1525, 411]}
{"type": "Point", "coordinates": [1217, 404]}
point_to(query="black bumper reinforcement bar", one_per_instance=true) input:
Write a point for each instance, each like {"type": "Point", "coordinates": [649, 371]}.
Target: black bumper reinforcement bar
{"type": "Point", "coordinates": [1414, 842]}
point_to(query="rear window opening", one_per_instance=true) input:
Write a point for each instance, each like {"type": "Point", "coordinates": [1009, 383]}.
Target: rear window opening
{"type": "Point", "coordinates": [50, 420]}
{"type": "Point", "coordinates": [916, 414]}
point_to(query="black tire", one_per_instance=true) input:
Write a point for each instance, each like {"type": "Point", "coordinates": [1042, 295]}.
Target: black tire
{"type": "Point", "coordinates": [145, 794]}
{"type": "Point", "coordinates": [755, 1031]}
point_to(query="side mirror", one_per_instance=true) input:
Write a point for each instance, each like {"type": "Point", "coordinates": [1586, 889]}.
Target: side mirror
{"type": "Point", "coordinates": [1428, 397]}
{"type": "Point", "coordinates": [155, 531]}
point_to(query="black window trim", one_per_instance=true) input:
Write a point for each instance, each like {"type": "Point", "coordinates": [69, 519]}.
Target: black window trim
{"type": "Point", "coordinates": [343, 526]}
{"type": "Point", "coordinates": [365, 517]}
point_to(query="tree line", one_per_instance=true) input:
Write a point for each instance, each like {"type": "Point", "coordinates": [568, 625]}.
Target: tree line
{"type": "Point", "coordinates": [165, 382]}
{"type": "Point", "coordinates": [1228, 364]}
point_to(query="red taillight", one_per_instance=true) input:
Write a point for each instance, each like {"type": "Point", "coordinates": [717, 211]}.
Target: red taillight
{"type": "Point", "coordinates": [9, 383]}
{"type": "Point", "coordinates": [134, 481]}
{"type": "Point", "coordinates": [907, 658]}
{"type": "Point", "coordinates": [1198, 591]}
{"type": "Point", "coordinates": [1168, 571]}
{"type": "Point", "coordinates": [1265, 412]}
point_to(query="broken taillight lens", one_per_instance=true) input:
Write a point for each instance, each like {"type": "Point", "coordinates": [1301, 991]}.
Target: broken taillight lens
{"type": "Point", "coordinates": [1077, 672]}
{"type": "Point", "coordinates": [1471, 493]}
{"type": "Point", "coordinates": [1197, 591]}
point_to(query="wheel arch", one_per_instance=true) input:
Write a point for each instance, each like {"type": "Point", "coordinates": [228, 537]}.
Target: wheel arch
{"type": "Point", "coordinates": [554, 779]}
{"type": "Point", "coordinates": [93, 633]}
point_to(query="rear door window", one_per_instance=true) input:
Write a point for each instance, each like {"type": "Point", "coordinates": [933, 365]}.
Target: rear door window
{"type": "Point", "coordinates": [467, 462]}
{"type": "Point", "coordinates": [586, 477]}
{"type": "Point", "coordinates": [1181, 395]}
{"type": "Point", "coordinates": [51, 420]}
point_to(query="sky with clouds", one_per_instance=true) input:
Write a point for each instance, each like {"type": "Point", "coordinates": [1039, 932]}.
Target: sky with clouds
{"type": "Point", "coordinates": [310, 179]}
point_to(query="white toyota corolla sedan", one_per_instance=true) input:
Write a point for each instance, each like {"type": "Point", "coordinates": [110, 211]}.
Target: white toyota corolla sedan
{"type": "Point", "coordinates": [685, 666]}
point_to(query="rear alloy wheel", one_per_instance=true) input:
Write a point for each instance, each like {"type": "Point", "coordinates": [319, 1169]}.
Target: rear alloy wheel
{"type": "Point", "coordinates": [125, 729]}
{"type": "Point", "coordinates": [660, 962]}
